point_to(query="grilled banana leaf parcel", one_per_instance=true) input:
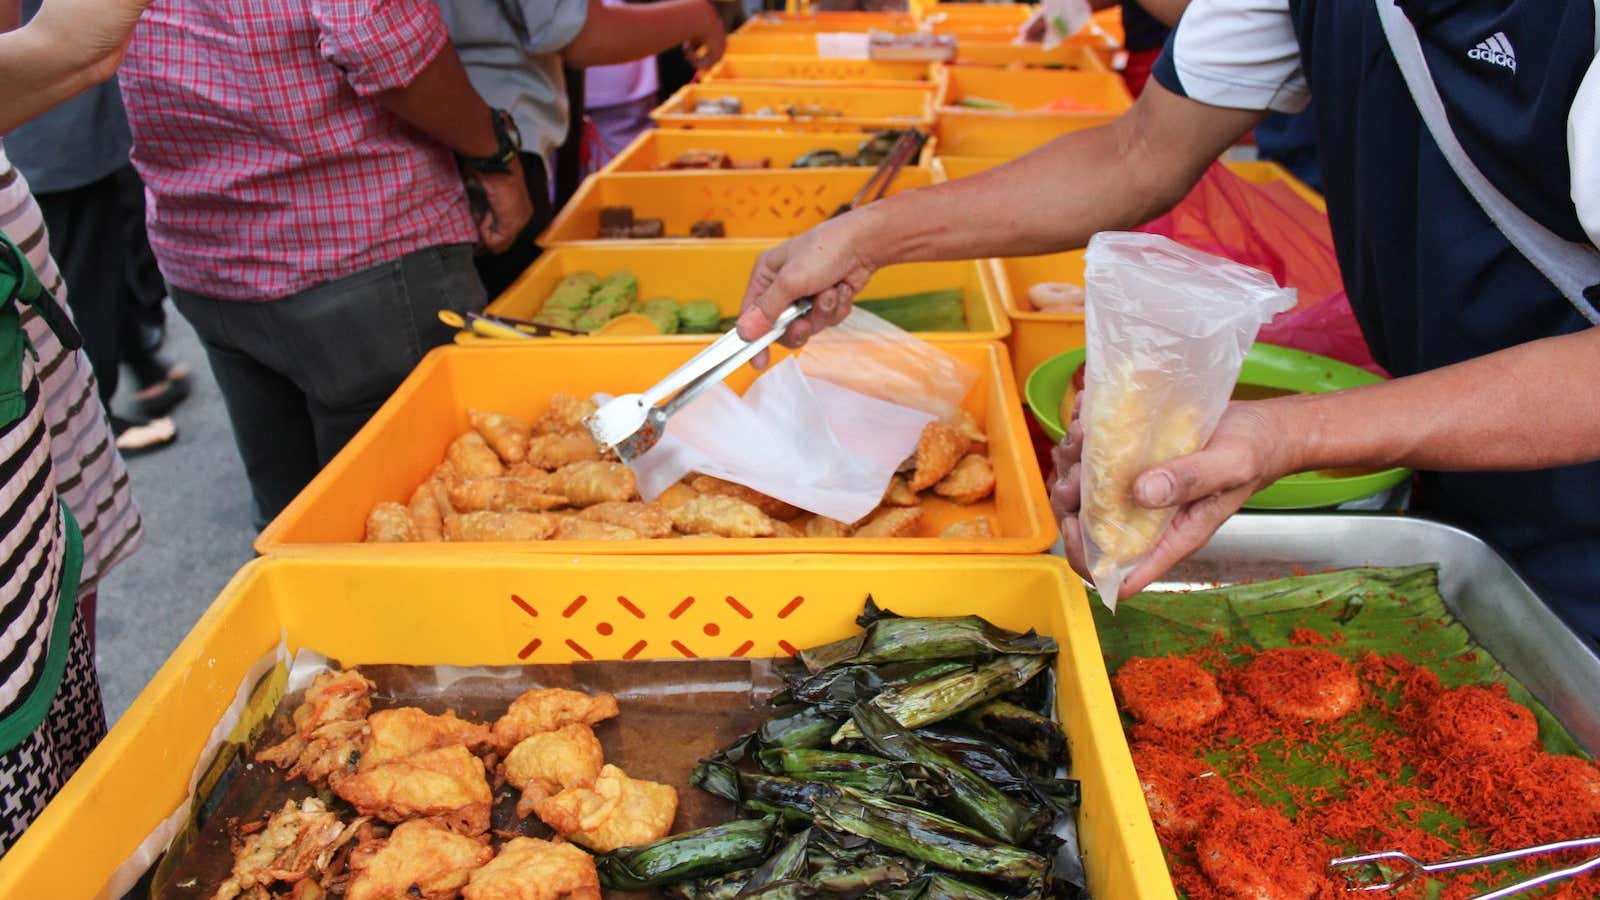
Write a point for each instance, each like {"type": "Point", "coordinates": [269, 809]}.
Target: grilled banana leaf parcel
{"type": "Point", "coordinates": [700, 853]}
{"type": "Point", "coordinates": [936, 699]}
{"type": "Point", "coordinates": [765, 794]}
{"type": "Point", "coordinates": [888, 638]}
{"type": "Point", "coordinates": [1019, 729]}
{"type": "Point", "coordinates": [835, 690]}
{"type": "Point", "coordinates": [868, 774]}
{"type": "Point", "coordinates": [942, 887]}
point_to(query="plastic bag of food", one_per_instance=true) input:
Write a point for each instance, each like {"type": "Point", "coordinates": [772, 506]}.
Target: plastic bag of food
{"type": "Point", "coordinates": [1167, 329]}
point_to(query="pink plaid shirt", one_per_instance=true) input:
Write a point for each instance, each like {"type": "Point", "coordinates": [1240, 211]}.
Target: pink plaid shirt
{"type": "Point", "coordinates": [269, 167]}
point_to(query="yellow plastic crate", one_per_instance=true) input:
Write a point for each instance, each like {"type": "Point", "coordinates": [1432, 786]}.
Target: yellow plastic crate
{"type": "Point", "coordinates": [809, 69]}
{"type": "Point", "coordinates": [964, 131]}
{"type": "Point", "coordinates": [719, 272]}
{"type": "Point", "coordinates": [812, 23]}
{"type": "Point", "coordinates": [466, 613]}
{"type": "Point", "coordinates": [407, 438]}
{"type": "Point", "coordinates": [1037, 336]}
{"type": "Point", "coordinates": [999, 53]}
{"type": "Point", "coordinates": [758, 205]}
{"type": "Point", "coordinates": [652, 148]}
{"type": "Point", "coordinates": [861, 109]}
{"type": "Point", "coordinates": [774, 43]}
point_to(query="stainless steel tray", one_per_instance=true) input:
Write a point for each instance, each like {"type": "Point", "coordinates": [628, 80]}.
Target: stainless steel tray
{"type": "Point", "coordinates": [1498, 608]}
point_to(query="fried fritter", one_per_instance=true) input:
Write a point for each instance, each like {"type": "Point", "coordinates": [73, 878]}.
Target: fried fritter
{"type": "Point", "coordinates": [617, 811]}
{"type": "Point", "coordinates": [499, 526]}
{"type": "Point", "coordinates": [771, 506]}
{"type": "Point", "coordinates": [938, 451]}
{"type": "Point", "coordinates": [899, 493]}
{"type": "Point", "coordinates": [327, 728]}
{"type": "Point", "coordinates": [505, 434]}
{"type": "Point", "coordinates": [419, 861]}
{"type": "Point", "coordinates": [967, 425]}
{"type": "Point", "coordinates": [723, 516]}
{"type": "Point", "coordinates": [782, 529]}
{"type": "Point", "coordinates": [891, 523]}
{"type": "Point", "coordinates": [531, 869]}
{"type": "Point", "coordinates": [675, 496]}
{"type": "Point", "coordinates": [297, 844]}
{"type": "Point", "coordinates": [390, 523]}
{"type": "Point", "coordinates": [440, 480]}
{"type": "Point", "coordinates": [398, 733]}
{"type": "Point", "coordinates": [824, 527]}
{"type": "Point", "coordinates": [1303, 684]}
{"type": "Point", "coordinates": [588, 483]}
{"type": "Point", "coordinates": [566, 413]}
{"type": "Point", "coordinates": [547, 709]}
{"type": "Point", "coordinates": [1170, 692]}
{"type": "Point", "coordinates": [572, 528]}
{"type": "Point", "coordinates": [967, 529]}
{"type": "Point", "coordinates": [506, 493]}
{"type": "Point", "coordinates": [446, 785]}
{"type": "Point", "coordinates": [552, 761]}
{"type": "Point", "coordinates": [470, 456]}
{"type": "Point", "coordinates": [560, 448]}
{"type": "Point", "coordinates": [646, 519]}
{"type": "Point", "coordinates": [426, 514]}
{"type": "Point", "coordinates": [970, 481]}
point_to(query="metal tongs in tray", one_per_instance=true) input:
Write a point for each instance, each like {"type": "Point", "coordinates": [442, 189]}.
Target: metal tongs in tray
{"type": "Point", "coordinates": [633, 423]}
{"type": "Point", "coordinates": [905, 148]}
{"type": "Point", "coordinates": [1411, 869]}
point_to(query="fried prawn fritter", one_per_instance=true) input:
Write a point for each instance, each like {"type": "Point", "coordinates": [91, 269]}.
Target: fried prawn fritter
{"type": "Point", "coordinates": [970, 481]}
{"type": "Point", "coordinates": [426, 514]}
{"type": "Point", "coordinates": [646, 519]}
{"type": "Point", "coordinates": [390, 523]}
{"type": "Point", "coordinates": [561, 448]}
{"type": "Point", "coordinates": [506, 493]}
{"type": "Point", "coordinates": [1302, 684]}
{"type": "Point", "coordinates": [506, 435]}
{"type": "Point", "coordinates": [968, 529]}
{"type": "Point", "coordinates": [552, 761]}
{"type": "Point", "coordinates": [327, 727]}
{"type": "Point", "coordinates": [297, 844]}
{"type": "Point", "coordinates": [446, 785]}
{"type": "Point", "coordinates": [771, 506]}
{"type": "Point", "coordinates": [573, 528]}
{"type": "Point", "coordinates": [588, 483]}
{"type": "Point", "coordinates": [675, 496]}
{"type": "Point", "coordinates": [1480, 721]}
{"type": "Point", "coordinates": [499, 526]}
{"type": "Point", "coordinates": [398, 733]}
{"type": "Point", "coordinates": [967, 426]}
{"type": "Point", "coordinates": [899, 493]}
{"type": "Point", "coordinates": [938, 451]}
{"type": "Point", "coordinates": [566, 413]}
{"type": "Point", "coordinates": [419, 861]}
{"type": "Point", "coordinates": [531, 869]}
{"type": "Point", "coordinates": [470, 456]}
{"type": "Point", "coordinates": [1170, 692]}
{"type": "Point", "coordinates": [722, 516]}
{"type": "Point", "coordinates": [824, 527]}
{"type": "Point", "coordinates": [617, 811]}
{"type": "Point", "coordinates": [891, 523]}
{"type": "Point", "coordinates": [1254, 853]}
{"type": "Point", "coordinates": [443, 475]}
{"type": "Point", "coordinates": [547, 709]}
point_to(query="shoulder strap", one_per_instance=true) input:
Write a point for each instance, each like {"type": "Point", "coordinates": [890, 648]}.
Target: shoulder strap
{"type": "Point", "coordinates": [19, 283]}
{"type": "Point", "coordinates": [1572, 267]}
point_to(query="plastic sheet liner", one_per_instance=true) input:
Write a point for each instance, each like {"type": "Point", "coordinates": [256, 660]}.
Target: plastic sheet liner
{"type": "Point", "coordinates": [823, 430]}
{"type": "Point", "coordinates": [1167, 328]}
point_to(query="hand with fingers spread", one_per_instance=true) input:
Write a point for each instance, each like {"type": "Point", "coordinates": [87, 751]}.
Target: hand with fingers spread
{"type": "Point", "coordinates": [826, 263]}
{"type": "Point", "coordinates": [1249, 450]}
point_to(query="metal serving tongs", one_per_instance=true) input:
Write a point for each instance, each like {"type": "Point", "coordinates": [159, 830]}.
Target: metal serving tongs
{"type": "Point", "coordinates": [633, 423]}
{"type": "Point", "coordinates": [1412, 869]}
{"type": "Point", "coordinates": [492, 326]}
{"type": "Point", "coordinates": [908, 145]}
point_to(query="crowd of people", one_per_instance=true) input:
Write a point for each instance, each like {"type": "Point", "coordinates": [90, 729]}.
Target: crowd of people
{"type": "Point", "coordinates": [312, 181]}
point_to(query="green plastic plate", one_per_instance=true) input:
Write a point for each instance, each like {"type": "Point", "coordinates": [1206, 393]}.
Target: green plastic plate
{"type": "Point", "coordinates": [1266, 366]}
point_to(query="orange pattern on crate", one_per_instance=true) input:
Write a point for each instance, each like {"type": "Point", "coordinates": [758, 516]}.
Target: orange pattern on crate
{"type": "Point", "coordinates": [604, 627]}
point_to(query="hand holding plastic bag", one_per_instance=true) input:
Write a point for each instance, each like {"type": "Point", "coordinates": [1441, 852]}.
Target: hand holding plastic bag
{"type": "Point", "coordinates": [1167, 329]}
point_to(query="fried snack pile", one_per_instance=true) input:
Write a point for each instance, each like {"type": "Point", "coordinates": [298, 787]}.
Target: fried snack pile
{"type": "Point", "coordinates": [416, 791]}
{"type": "Point", "coordinates": [509, 479]}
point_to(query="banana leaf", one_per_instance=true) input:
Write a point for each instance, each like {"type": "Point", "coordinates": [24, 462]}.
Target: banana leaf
{"type": "Point", "coordinates": [940, 842]}
{"type": "Point", "coordinates": [805, 728]}
{"type": "Point", "coordinates": [943, 887]}
{"type": "Point", "coordinates": [716, 887]}
{"type": "Point", "coordinates": [1019, 729]}
{"type": "Point", "coordinates": [886, 637]}
{"type": "Point", "coordinates": [970, 799]}
{"type": "Point", "coordinates": [788, 864]}
{"type": "Point", "coordinates": [834, 691]}
{"type": "Point", "coordinates": [693, 854]}
{"type": "Point", "coordinates": [998, 766]}
{"type": "Point", "coordinates": [936, 699]}
{"type": "Point", "coordinates": [869, 774]}
{"type": "Point", "coordinates": [767, 794]}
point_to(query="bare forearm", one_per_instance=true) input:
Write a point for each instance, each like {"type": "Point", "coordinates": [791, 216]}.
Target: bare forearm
{"type": "Point", "coordinates": [442, 104]}
{"type": "Point", "coordinates": [619, 34]}
{"type": "Point", "coordinates": [39, 72]}
{"type": "Point", "coordinates": [1529, 407]}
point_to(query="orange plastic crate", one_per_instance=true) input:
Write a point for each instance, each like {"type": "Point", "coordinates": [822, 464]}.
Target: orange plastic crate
{"type": "Point", "coordinates": [964, 131]}
{"type": "Point", "coordinates": [812, 23]}
{"type": "Point", "coordinates": [408, 436]}
{"type": "Point", "coordinates": [652, 148]}
{"type": "Point", "coordinates": [860, 109]}
{"type": "Point", "coordinates": [810, 69]}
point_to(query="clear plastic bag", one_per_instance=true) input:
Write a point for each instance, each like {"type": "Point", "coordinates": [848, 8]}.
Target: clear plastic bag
{"type": "Point", "coordinates": [1055, 21]}
{"type": "Point", "coordinates": [1167, 329]}
{"type": "Point", "coordinates": [823, 430]}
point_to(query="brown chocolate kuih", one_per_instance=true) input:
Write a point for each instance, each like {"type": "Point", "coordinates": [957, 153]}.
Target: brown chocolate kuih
{"type": "Point", "coordinates": [710, 228]}
{"type": "Point", "coordinates": [648, 228]}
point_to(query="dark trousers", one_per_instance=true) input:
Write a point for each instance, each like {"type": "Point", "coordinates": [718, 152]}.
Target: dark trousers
{"type": "Point", "coordinates": [301, 374]}
{"type": "Point", "coordinates": [500, 269]}
{"type": "Point", "coordinates": [98, 239]}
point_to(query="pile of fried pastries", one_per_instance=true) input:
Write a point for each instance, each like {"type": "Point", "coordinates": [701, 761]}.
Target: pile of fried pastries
{"type": "Point", "coordinates": [422, 786]}
{"type": "Point", "coordinates": [509, 479]}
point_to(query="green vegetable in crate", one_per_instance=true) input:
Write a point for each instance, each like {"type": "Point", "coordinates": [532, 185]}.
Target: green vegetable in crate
{"type": "Point", "coordinates": [699, 317]}
{"type": "Point", "coordinates": [927, 311]}
{"type": "Point", "coordinates": [663, 311]}
{"type": "Point", "coordinates": [701, 853]}
{"type": "Point", "coordinates": [972, 102]}
{"type": "Point", "coordinates": [936, 699]}
{"type": "Point", "coordinates": [1019, 729]}
{"type": "Point", "coordinates": [890, 638]}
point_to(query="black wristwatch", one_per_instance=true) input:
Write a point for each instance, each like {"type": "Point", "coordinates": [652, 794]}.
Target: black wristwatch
{"type": "Point", "coordinates": [509, 142]}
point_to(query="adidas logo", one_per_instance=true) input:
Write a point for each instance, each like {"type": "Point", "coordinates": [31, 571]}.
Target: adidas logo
{"type": "Point", "coordinates": [1496, 50]}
